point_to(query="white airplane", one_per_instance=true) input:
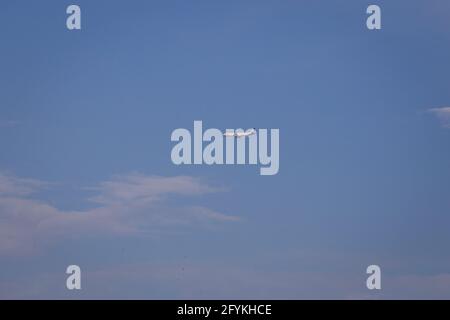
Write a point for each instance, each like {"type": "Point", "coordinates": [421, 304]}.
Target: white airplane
{"type": "Point", "coordinates": [247, 133]}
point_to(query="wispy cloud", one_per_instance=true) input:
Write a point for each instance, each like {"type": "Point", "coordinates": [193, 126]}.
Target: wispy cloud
{"type": "Point", "coordinates": [137, 188]}
{"type": "Point", "coordinates": [443, 114]}
{"type": "Point", "coordinates": [8, 123]}
{"type": "Point", "coordinates": [14, 186]}
{"type": "Point", "coordinates": [128, 205]}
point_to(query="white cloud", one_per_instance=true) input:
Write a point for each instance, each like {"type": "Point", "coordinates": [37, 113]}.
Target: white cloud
{"type": "Point", "coordinates": [127, 205]}
{"type": "Point", "coordinates": [443, 114]}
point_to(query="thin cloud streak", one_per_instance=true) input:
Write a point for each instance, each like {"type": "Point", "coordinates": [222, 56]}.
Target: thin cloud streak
{"type": "Point", "coordinates": [8, 123]}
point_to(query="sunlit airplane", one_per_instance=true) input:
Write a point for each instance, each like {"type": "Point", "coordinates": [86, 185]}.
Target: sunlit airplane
{"type": "Point", "coordinates": [240, 134]}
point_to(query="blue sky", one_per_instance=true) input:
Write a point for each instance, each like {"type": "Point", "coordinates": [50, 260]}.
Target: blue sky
{"type": "Point", "coordinates": [86, 176]}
